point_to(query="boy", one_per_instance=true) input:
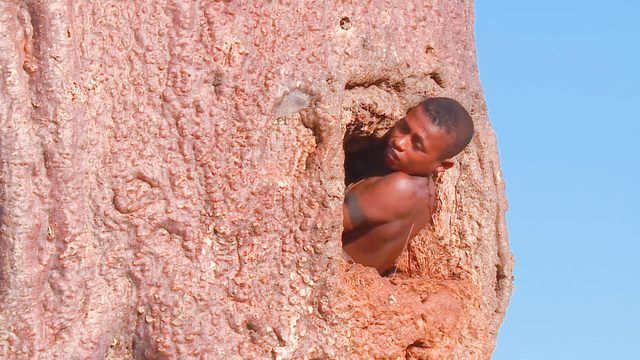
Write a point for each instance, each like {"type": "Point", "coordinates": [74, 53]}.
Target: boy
{"type": "Point", "coordinates": [395, 200]}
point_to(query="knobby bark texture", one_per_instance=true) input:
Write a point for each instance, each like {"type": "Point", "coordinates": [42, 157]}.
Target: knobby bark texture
{"type": "Point", "coordinates": [172, 175]}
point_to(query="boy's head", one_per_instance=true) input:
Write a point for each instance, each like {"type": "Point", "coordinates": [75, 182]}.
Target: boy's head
{"type": "Point", "coordinates": [428, 137]}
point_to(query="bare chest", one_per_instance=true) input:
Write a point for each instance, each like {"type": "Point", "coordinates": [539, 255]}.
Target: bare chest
{"type": "Point", "coordinates": [379, 245]}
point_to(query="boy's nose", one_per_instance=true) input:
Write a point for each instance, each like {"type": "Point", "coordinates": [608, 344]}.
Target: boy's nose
{"type": "Point", "coordinates": [400, 143]}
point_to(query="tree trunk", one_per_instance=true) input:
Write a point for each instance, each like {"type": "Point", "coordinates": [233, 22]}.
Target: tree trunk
{"type": "Point", "coordinates": [172, 178]}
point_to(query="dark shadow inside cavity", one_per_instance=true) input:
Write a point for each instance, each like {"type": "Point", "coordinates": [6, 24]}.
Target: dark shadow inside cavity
{"type": "Point", "coordinates": [363, 158]}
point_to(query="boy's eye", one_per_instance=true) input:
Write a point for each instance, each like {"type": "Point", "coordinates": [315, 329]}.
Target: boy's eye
{"type": "Point", "coordinates": [418, 144]}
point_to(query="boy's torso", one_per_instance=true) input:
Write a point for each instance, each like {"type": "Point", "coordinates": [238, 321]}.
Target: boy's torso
{"type": "Point", "coordinates": [379, 245]}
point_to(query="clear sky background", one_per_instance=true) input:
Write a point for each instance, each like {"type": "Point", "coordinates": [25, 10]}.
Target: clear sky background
{"type": "Point", "coordinates": [562, 83]}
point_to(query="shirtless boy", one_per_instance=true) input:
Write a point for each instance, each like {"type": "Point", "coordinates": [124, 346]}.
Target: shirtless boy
{"type": "Point", "coordinates": [395, 199]}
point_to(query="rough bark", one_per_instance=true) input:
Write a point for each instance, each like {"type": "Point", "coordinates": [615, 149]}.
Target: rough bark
{"type": "Point", "coordinates": [172, 178]}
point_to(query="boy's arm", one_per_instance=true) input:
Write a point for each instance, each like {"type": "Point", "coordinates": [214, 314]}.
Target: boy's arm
{"type": "Point", "coordinates": [380, 200]}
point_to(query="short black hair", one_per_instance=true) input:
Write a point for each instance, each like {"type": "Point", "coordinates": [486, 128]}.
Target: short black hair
{"type": "Point", "coordinates": [448, 115]}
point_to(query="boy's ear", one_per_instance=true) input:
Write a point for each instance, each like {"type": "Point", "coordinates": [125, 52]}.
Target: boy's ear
{"type": "Point", "coordinates": [444, 165]}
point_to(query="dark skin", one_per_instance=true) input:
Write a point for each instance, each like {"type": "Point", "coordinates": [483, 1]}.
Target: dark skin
{"type": "Point", "coordinates": [383, 212]}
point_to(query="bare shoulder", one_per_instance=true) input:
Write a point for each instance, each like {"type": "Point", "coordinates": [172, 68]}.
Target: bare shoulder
{"type": "Point", "coordinates": [395, 194]}
{"type": "Point", "coordinates": [406, 186]}
{"type": "Point", "coordinates": [386, 198]}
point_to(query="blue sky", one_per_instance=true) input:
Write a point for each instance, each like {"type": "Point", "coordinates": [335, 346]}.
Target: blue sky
{"type": "Point", "coordinates": [562, 83]}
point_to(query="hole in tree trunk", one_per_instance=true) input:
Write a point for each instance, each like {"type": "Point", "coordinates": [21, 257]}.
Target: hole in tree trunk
{"type": "Point", "coordinates": [363, 158]}
{"type": "Point", "coordinates": [367, 124]}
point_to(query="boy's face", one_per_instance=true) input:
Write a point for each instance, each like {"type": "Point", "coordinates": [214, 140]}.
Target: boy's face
{"type": "Point", "coordinates": [414, 145]}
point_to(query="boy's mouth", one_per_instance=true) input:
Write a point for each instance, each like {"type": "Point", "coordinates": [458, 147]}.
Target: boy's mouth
{"type": "Point", "coordinates": [391, 154]}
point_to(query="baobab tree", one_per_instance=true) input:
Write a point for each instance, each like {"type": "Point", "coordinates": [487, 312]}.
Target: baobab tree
{"type": "Point", "coordinates": [172, 178]}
